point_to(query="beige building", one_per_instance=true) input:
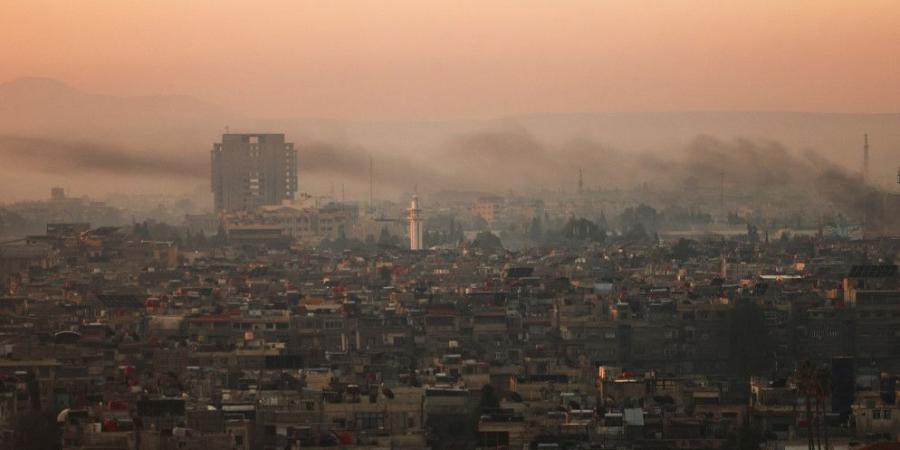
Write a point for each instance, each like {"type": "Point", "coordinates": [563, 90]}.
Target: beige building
{"type": "Point", "coordinates": [252, 170]}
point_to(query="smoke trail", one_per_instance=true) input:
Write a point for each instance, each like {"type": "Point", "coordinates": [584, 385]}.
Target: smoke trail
{"type": "Point", "coordinates": [490, 160]}
{"type": "Point", "coordinates": [59, 157]}
{"type": "Point", "coordinates": [349, 162]}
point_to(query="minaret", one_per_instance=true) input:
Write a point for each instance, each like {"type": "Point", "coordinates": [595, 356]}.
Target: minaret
{"type": "Point", "coordinates": [580, 182]}
{"type": "Point", "coordinates": [415, 224]}
{"type": "Point", "coordinates": [723, 262]}
{"type": "Point", "coordinates": [866, 157]}
{"type": "Point", "coordinates": [371, 185]}
{"type": "Point", "coordinates": [723, 266]}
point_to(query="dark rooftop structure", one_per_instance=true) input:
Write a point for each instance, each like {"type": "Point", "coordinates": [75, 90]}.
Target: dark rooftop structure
{"type": "Point", "coordinates": [873, 271]}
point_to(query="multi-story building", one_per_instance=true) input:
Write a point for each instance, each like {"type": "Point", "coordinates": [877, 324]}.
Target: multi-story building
{"type": "Point", "coordinates": [489, 208]}
{"type": "Point", "coordinates": [252, 170]}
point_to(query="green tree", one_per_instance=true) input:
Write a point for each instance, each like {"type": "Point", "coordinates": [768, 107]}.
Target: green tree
{"type": "Point", "coordinates": [386, 240]}
{"type": "Point", "coordinates": [487, 241]}
{"type": "Point", "coordinates": [601, 221]}
{"type": "Point", "coordinates": [745, 438]}
{"type": "Point", "coordinates": [489, 399]}
{"type": "Point", "coordinates": [583, 230]}
{"type": "Point", "coordinates": [752, 234]}
{"type": "Point", "coordinates": [636, 233]}
{"type": "Point", "coordinates": [535, 230]}
{"type": "Point", "coordinates": [684, 249]}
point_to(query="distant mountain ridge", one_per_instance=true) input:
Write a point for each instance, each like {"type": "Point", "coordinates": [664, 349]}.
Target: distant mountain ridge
{"type": "Point", "coordinates": [44, 107]}
{"type": "Point", "coordinates": [31, 89]}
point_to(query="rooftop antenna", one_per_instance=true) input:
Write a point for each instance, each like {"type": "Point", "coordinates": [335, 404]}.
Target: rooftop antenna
{"type": "Point", "coordinates": [866, 157]}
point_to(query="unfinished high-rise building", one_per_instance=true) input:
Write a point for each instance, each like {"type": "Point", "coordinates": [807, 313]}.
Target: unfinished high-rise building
{"type": "Point", "coordinates": [252, 170]}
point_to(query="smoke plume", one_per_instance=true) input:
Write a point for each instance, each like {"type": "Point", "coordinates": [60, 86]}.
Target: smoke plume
{"type": "Point", "coordinates": [495, 160]}
{"type": "Point", "coordinates": [71, 158]}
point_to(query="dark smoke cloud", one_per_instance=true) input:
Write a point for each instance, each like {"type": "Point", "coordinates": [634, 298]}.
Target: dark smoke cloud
{"type": "Point", "coordinates": [71, 158]}
{"type": "Point", "coordinates": [491, 160]}
{"type": "Point", "coordinates": [316, 158]}
{"type": "Point", "coordinates": [768, 167]}
{"type": "Point", "coordinates": [514, 158]}
{"type": "Point", "coordinates": [351, 162]}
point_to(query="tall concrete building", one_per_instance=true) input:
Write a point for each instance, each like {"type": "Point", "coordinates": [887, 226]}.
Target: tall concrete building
{"type": "Point", "coordinates": [252, 170]}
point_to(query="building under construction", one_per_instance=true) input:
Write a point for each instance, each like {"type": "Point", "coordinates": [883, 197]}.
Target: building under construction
{"type": "Point", "coordinates": [253, 170]}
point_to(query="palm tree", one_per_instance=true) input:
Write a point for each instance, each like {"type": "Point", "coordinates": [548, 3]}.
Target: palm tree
{"type": "Point", "coordinates": [823, 385]}
{"type": "Point", "coordinates": [805, 380]}
{"type": "Point", "coordinates": [816, 415]}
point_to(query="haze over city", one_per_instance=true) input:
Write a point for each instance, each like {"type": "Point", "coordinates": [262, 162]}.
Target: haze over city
{"type": "Point", "coordinates": [405, 81]}
{"type": "Point", "coordinates": [442, 225]}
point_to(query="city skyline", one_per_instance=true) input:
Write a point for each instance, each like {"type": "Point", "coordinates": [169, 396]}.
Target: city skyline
{"type": "Point", "coordinates": [449, 224]}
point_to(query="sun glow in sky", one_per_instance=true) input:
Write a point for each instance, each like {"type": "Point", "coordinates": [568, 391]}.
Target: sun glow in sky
{"type": "Point", "coordinates": [447, 59]}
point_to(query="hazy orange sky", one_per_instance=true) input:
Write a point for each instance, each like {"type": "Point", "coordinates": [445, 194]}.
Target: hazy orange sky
{"type": "Point", "coordinates": [445, 59]}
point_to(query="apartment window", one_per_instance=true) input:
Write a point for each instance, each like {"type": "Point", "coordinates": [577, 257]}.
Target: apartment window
{"type": "Point", "coordinates": [876, 414]}
{"type": "Point", "coordinates": [886, 415]}
{"type": "Point", "coordinates": [369, 421]}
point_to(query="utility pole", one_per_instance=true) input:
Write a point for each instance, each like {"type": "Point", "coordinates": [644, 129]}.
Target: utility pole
{"type": "Point", "coordinates": [722, 195]}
